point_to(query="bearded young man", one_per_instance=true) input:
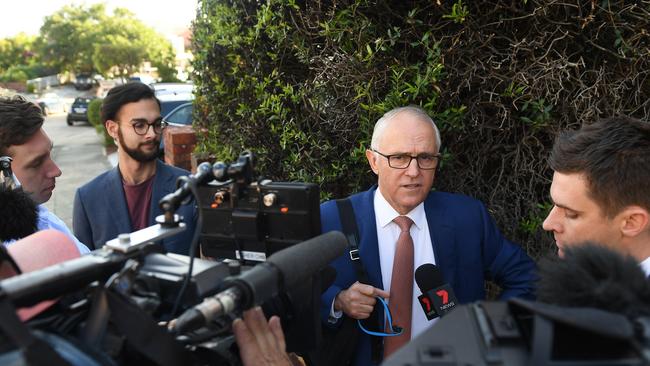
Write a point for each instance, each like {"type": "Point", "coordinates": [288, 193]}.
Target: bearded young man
{"type": "Point", "coordinates": [125, 199]}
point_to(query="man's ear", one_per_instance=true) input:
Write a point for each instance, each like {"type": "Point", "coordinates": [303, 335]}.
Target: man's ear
{"type": "Point", "coordinates": [635, 220]}
{"type": "Point", "coordinates": [111, 128]}
{"type": "Point", "coordinates": [372, 160]}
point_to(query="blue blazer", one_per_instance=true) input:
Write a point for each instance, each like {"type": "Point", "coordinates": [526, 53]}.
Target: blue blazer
{"type": "Point", "coordinates": [467, 246]}
{"type": "Point", "coordinates": [100, 211]}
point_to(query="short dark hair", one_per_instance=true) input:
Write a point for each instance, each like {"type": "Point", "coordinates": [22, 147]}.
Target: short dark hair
{"type": "Point", "coordinates": [614, 156]}
{"type": "Point", "coordinates": [20, 119]}
{"type": "Point", "coordinates": [125, 94]}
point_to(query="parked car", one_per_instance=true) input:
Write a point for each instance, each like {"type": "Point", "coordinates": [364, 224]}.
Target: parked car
{"type": "Point", "coordinates": [145, 79]}
{"type": "Point", "coordinates": [176, 110]}
{"type": "Point", "coordinates": [51, 103]}
{"type": "Point", "coordinates": [79, 110]}
{"type": "Point", "coordinates": [172, 88]}
{"type": "Point", "coordinates": [180, 116]}
{"type": "Point", "coordinates": [84, 82]}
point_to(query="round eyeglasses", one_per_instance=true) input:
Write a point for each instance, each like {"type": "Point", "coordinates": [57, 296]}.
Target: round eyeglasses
{"type": "Point", "coordinates": [141, 126]}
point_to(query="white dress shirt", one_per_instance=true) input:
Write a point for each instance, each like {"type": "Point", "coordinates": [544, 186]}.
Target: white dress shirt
{"type": "Point", "coordinates": [645, 266]}
{"type": "Point", "coordinates": [48, 220]}
{"type": "Point", "coordinates": [387, 234]}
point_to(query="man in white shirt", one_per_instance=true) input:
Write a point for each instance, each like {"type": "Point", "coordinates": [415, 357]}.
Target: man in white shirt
{"type": "Point", "coordinates": [23, 139]}
{"type": "Point", "coordinates": [600, 187]}
{"type": "Point", "coordinates": [402, 225]}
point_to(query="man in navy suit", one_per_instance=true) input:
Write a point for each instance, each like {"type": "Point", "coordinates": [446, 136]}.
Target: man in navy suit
{"type": "Point", "coordinates": [125, 199]}
{"type": "Point", "coordinates": [453, 231]}
{"type": "Point", "coordinates": [600, 187]}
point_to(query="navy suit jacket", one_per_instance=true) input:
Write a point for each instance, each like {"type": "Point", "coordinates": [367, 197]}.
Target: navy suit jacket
{"type": "Point", "coordinates": [101, 213]}
{"type": "Point", "coordinates": [467, 246]}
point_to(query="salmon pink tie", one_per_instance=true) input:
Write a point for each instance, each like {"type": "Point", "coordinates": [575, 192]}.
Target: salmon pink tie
{"type": "Point", "coordinates": [401, 287]}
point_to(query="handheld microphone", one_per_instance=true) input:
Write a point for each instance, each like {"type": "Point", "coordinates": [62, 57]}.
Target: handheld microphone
{"type": "Point", "coordinates": [437, 297]}
{"type": "Point", "coordinates": [171, 201]}
{"type": "Point", "coordinates": [283, 270]}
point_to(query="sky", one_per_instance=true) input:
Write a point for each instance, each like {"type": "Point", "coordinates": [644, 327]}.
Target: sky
{"type": "Point", "coordinates": [165, 16]}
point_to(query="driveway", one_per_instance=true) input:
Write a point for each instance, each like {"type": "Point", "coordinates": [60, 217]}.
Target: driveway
{"type": "Point", "coordinates": [79, 153]}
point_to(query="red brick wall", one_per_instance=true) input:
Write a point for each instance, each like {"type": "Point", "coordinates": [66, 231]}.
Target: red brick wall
{"type": "Point", "coordinates": [179, 145]}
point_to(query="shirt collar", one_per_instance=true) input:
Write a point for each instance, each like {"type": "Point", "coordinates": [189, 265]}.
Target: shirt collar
{"type": "Point", "coordinates": [385, 213]}
{"type": "Point", "coordinates": [645, 266]}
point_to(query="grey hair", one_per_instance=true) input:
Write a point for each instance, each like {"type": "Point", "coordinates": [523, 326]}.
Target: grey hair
{"type": "Point", "coordinates": [415, 111]}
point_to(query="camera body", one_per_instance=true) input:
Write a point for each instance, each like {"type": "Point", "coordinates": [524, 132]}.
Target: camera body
{"type": "Point", "coordinates": [254, 222]}
{"type": "Point", "coordinates": [242, 219]}
{"type": "Point", "coordinates": [520, 332]}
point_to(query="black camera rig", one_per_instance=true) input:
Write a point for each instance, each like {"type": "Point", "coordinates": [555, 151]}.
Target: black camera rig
{"type": "Point", "coordinates": [115, 304]}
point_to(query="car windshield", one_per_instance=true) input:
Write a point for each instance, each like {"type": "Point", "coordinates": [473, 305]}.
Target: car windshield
{"type": "Point", "coordinates": [167, 106]}
{"type": "Point", "coordinates": [82, 100]}
{"type": "Point", "coordinates": [182, 115]}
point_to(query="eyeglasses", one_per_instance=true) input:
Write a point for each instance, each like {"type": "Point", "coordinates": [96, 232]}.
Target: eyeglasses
{"type": "Point", "coordinates": [392, 330]}
{"type": "Point", "coordinates": [402, 161]}
{"type": "Point", "coordinates": [141, 127]}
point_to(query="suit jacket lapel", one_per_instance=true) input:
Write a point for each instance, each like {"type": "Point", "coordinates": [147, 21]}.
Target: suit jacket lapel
{"type": "Point", "coordinates": [369, 246]}
{"type": "Point", "coordinates": [442, 238]}
{"type": "Point", "coordinates": [116, 202]}
{"type": "Point", "coordinates": [163, 184]}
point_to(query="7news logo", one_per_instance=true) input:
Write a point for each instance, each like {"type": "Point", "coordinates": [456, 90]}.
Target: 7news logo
{"type": "Point", "coordinates": [436, 303]}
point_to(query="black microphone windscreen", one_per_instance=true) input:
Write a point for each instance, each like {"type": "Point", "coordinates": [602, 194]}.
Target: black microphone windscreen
{"type": "Point", "coordinates": [204, 171]}
{"type": "Point", "coordinates": [428, 277]}
{"type": "Point", "coordinates": [304, 259]}
{"type": "Point", "coordinates": [18, 214]}
{"type": "Point", "coordinates": [591, 275]}
{"type": "Point", "coordinates": [327, 278]}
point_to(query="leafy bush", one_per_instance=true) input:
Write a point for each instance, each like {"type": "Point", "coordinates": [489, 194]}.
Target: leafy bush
{"type": "Point", "coordinates": [94, 108]}
{"type": "Point", "coordinates": [302, 83]}
{"type": "Point", "coordinates": [15, 74]}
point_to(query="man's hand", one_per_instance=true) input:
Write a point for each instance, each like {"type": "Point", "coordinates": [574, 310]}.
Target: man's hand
{"type": "Point", "coordinates": [358, 301]}
{"type": "Point", "coordinates": [260, 342]}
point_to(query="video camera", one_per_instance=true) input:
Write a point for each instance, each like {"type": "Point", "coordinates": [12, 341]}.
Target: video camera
{"type": "Point", "coordinates": [250, 220]}
{"type": "Point", "coordinates": [112, 301]}
{"type": "Point", "coordinates": [521, 332]}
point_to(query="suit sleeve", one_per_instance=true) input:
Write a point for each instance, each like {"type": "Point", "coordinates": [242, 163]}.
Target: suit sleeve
{"type": "Point", "coordinates": [507, 263]}
{"type": "Point", "coordinates": [80, 224]}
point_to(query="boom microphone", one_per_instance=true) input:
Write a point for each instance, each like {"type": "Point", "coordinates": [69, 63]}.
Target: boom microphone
{"type": "Point", "coordinates": [18, 212]}
{"type": "Point", "coordinates": [437, 297]}
{"type": "Point", "coordinates": [591, 275]}
{"type": "Point", "coordinates": [283, 270]}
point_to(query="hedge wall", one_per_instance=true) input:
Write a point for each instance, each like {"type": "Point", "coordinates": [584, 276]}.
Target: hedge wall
{"type": "Point", "coordinates": [301, 84]}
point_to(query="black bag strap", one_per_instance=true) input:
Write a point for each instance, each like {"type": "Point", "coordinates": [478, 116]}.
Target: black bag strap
{"type": "Point", "coordinates": [351, 231]}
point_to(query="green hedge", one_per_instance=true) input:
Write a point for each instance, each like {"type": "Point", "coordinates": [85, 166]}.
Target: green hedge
{"type": "Point", "coordinates": [94, 117]}
{"type": "Point", "coordinates": [301, 83]}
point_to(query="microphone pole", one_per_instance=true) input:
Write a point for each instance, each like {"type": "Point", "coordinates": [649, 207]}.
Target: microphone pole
{"type": "Point", "coordinates": [283, 270]}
